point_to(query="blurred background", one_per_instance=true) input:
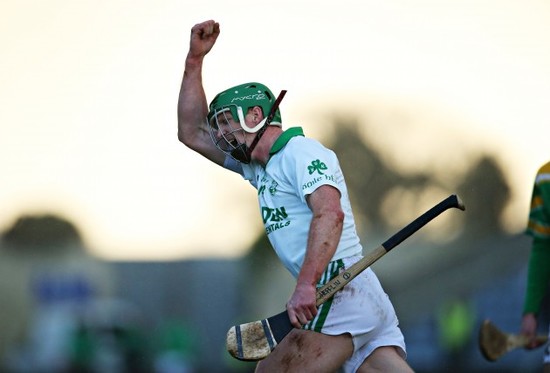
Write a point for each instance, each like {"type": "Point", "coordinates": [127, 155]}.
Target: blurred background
{"type": "Point", "coordinates": [123, 251]}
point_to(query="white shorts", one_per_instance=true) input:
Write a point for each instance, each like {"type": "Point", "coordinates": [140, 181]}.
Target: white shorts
{"type": "Point", "coordinates": [362, 309]}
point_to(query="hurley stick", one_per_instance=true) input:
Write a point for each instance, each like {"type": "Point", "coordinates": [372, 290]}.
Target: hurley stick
{"type": "Point", "coordinates": [494, 343]}
{"type": "Point", "coordinates": [255, 340]}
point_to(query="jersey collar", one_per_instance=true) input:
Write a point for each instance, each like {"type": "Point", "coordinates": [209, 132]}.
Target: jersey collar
{"type": "Point", "coordinates": [284, 138]}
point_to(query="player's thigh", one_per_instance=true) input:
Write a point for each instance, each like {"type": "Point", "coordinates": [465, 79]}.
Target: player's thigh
{"type": "Point", "coordinates": [385, 359]}
{"type": "Point", "coordinates": [304, 351]}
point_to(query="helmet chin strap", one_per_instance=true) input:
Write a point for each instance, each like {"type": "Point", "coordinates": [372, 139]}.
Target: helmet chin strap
{"type": "Point", "coordinates": [243, 153]}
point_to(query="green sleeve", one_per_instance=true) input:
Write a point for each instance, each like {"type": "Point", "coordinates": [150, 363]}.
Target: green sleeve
{"type": "Point", "coordinates": [538, 275]}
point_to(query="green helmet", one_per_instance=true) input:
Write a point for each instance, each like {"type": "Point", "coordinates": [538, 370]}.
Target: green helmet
{"type": "Point", "coordinates": [239, 99]}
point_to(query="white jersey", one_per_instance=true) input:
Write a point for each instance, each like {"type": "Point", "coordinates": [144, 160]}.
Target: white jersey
{"type": "Point", "coordinates": [297, 167]}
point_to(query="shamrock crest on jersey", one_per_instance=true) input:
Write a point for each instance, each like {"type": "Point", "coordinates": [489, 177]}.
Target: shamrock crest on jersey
{"type": "Point", "coordinates": [318, 166]}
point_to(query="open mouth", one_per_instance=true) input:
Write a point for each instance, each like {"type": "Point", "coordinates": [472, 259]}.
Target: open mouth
{"type": "Point", "coordinates": [227, 144]}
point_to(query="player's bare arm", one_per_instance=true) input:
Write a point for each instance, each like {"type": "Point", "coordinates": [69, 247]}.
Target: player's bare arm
{"type": "Point", "coordinates": [324, 235]}
{"type": "Point", "coordinates": [192, 104]}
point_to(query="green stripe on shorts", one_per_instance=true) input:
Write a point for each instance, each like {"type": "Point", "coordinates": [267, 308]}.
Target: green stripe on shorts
{"type": "Point", "coordinates": [332, 270]}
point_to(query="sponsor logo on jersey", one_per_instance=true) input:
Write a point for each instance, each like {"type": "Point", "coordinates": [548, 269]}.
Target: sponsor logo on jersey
{"type": "Point", "coordinates": [317, 179]}
{"type": "Point", "coordinates": [274, 218]}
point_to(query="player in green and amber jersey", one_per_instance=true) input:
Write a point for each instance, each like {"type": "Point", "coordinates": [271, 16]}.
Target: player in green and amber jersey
{"type": "Point", "coordinates": [538, 276]}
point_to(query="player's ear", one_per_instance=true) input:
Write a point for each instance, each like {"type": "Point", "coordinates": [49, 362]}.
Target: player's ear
{"type": "Point", "coordinates": [258, 114]}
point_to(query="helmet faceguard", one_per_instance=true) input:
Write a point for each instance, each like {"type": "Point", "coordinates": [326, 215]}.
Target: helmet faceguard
{"type": "Point", "coordinates": [226, 117]}
{"type": "Point", "coordinates": [228, 135]}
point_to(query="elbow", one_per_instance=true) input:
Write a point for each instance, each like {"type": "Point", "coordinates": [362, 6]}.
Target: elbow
{"type": "Point", "coordinates": [339, 217]}
{"type": "Point", "coordinates": [185, 133]}
{"type": "Point", "coordinates": [185, 137]}
{"type": "Point", "coordinates": [182, 138]}
{"type": "Point", "coordinates": [335, 217]}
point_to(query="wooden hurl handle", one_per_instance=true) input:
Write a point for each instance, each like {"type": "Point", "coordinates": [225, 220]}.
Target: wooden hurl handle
{"type": "Point", "coordinates": [329, 289]}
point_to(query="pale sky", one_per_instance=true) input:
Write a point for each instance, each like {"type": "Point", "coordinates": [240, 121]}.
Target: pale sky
{"type": "Point", "coordinates": [88, 93]}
